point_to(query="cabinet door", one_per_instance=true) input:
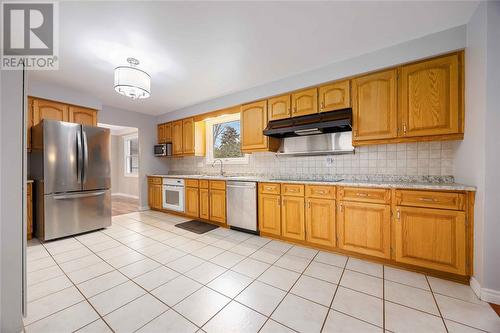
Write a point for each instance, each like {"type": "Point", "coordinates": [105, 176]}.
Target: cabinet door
{"type": "Point", "coordinates": [154, 196]}
{"type": "Point", "coordinates": [177, 137]}
{"type": "Point", "coordinates": [335, 96]}
{"type": "Point", "coordinates": [364, 228]}
{"type": "Point", "coordinates": [82, 116]}
{"type": "Point", "coordinates": [431, 238]}
{"type": "Point", "coordinates": [305, 102]}
{"type": "Point", "coordinates": [253, 122]}
{"type": "Point", "coordinates": [374, 106]}
{"type": "Point", "coordinates": [192, 203]}
{"type": "Point", "coordinates": [218, 206]}
{"type": "Point", "coordinates": [188, 136]}
{"type": "Point", "coordinates": [270, 214]}
{"type": "Point", "coordinates": [204, 204]}
{"type": "Point", "coordinates": [43, 109]}
{"type": "Point", "coordinates": [292, 217]}
{"type": "Point", "coordinates": [160, 131]}
{"type": "Point", "coordinates": [167, 132]}
{"type": "Point", "coordinates": [430, 97]}
{"type": "Point", "coordinates": [279, 107]}
{"type": "Point", "coordinates": [320, 221]}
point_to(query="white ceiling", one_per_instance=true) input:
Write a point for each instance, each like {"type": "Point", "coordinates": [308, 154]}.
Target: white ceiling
{"type": "Point", "coordinates": [196, 51]}
{"type": "Point", "coordinates": [119, 130]}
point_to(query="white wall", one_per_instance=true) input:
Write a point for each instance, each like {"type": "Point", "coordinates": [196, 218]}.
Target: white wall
{"type": "Point", "coordinates": [120, 184]}
{"type": "Point", "coordinates": [11, 200]}
{"type": "Point", "coordinates": [434, 44]}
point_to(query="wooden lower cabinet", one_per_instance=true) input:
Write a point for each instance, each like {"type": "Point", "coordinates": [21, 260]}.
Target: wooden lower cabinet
{"type": "Point", "coordinates": [364, 228]}
{"type": "Point", "coordinates": [431, 238]}
{"type": "Point", "coordinates": [218, 206]}
{"type": "Point", "coordinates": [320, 222]}
{"type": "Point", "coordinates": [192, 207]}
{"type": "Point", "coordinates": [270, 214]}
{"type": "Point", "coordinates": [155, 196]}
{"type": "Point", "coordinates": [204, 204]}
{"type": "Point", "coordinates": [292, 217]}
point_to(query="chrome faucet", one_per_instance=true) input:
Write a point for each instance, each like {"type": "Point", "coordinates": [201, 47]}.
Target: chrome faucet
{"type": "Point", "coordinates": [221, 164]}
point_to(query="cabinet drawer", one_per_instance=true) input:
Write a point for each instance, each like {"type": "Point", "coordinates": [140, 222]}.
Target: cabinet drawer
{"type": "Point", "coordinates": [155, 180]}
{"type": "Point", "coordinates": [296, 190]}
{"type": "Point", "coordinates": [269, 188]}
{"type": "Point", "coordinates": [361, 194]}
{"type": "Point", "coordinates": [320, 191]}
{"type": "Point", "coordinates": [203, 183]}
{"type": "Point", "coordinates": [443, 200]}
{"type": "Point", "coordinates": [191, 182]}
{"type": "Point", "coordinates": [217, 185]}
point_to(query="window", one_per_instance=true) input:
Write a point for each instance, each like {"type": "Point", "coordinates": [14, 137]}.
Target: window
{"type": "Point", "coordinates": [131, 155]}
{"type": "Point", "coordinates": [223, 140]}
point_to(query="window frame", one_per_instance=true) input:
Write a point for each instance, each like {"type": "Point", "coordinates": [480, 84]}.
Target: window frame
{"type": "Point", "coordinates": [210, 139]}
{"type": "Point", "coordinates": [126, 155]}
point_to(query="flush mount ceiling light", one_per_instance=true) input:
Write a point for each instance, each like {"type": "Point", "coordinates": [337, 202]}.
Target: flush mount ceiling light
{"type": "Point", "coordinates": [131, 81]}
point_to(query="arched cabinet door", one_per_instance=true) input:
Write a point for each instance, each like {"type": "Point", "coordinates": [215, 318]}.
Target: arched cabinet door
{"type": "Point", "coordinates": [305, 102]}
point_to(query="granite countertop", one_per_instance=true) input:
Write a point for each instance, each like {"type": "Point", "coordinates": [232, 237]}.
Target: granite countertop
{"type": "Point", "coordinates": [447, 186]}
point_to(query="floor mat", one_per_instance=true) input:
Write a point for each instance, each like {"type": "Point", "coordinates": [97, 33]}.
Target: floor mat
{"type": "Point", "coordinates": [196, 226]}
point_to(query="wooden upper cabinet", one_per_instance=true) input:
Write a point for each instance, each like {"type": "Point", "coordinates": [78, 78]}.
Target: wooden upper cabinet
{"type": "Point", "coordinates": [270, 214]}
{"type": "Point", "coordinates": [160, 133]}
{"type": "Point", "coordinates": [167, 132]}
{"type": "Point", "coordinates": [293, 218]}
{"type": "Point", "coordinates": [335, 96]}
{"type": "Point", "coordinates": [430, 97]}
{"type": "Point", "coordinates": [177, 137]}
{"type": "Point", "coordinates": [305, 102]}
{"type": "Point", "coordinates": [43, 109]}
{"type": "Point", "coordinates": [320, 221]}
{"type": "Point", "coordinates": [374, 106]}
{"type": "Point", "coordinates": [279, 107]}
{"type": "Point", "coordinates": [431, 238]}
{"type": "Point", "coordinates": [364, 228]}
{"type": "Point", "coordinates": [82, 116]}
{"type": "Point", "coordinates": [188, 136]}
{"type": "Point", "coordinates": [253, 122]}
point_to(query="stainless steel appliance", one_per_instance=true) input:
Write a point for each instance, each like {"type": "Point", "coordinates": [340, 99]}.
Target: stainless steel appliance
{"type": "Point", "coordinates": [314, 145]}
{"type": "Point", "coordinates": [242, 205]}
{"type": "Point", "coordinates": [71, 168]}
{"type": "Point", "coordinates": [173, 194]}
{"type": "Point", "coordinates": [164, 149]}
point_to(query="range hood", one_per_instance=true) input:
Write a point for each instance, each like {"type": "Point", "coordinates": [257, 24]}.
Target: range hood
{"type": "Point", "coordinates": [315, 145]}
{"type": "Point", "coordinates": [320, 123]}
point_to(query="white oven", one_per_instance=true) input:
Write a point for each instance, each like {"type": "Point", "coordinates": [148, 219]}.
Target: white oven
{"type": "Point", "coordinates": [173, 194]}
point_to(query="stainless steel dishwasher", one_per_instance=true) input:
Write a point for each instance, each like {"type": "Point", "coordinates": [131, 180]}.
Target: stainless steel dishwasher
{"type": "Point", "coordinates": [242, 205]}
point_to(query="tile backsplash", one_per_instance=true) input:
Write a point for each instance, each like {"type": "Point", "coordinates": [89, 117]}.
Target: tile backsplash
{"type": "Point", "coordinates": [403, 159]}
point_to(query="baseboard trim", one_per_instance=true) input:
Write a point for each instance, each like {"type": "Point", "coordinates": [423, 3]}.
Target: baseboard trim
{"type": "Point", "coordinates": [476, 287]}
{"type": "Point", "coordinates": [143, 208]}
{"type": "Point", "coordinates": [485, 294]}
{"type": "Point", "coordinates": [125, 195]}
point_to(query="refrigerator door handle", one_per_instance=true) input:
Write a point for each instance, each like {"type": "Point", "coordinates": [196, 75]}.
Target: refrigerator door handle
{"type": "Point", "coordinates": [79, 157]}
{"type": "Point", "coordinates": [80, 195]}
{"type": "Point", "coordinates": [85, 157]}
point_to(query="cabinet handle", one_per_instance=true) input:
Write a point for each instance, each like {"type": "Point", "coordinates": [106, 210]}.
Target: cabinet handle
{"type": "Point", "coordinates": [398, 214]}
{"type": "Point", "coordinates": [404, 128]}
{"type": "Point", "coordinates": [269, 188]}
{"type": "Point", "coordinates": [309, 204]}
{"type": "Point", "coordinates": [427, 199]}
{"type": "Point", "coordinates": [321, 192]}
{"type": "Point", "coordinates": [359, 194]}
{"type": "Point", "coordinates": [292, 190]}
{"type": "Point", "coordinates": [341, 208]}
{"type": "Point", "coordinates": [322, 105]}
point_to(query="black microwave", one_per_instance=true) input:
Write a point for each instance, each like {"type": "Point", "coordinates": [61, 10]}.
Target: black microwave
{"type": "Point", "coordinates": [164, 149]}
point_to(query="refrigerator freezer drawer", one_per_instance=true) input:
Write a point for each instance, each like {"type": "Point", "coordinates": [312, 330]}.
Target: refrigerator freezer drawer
{"type": "Point", "coordinates": [73, 213]}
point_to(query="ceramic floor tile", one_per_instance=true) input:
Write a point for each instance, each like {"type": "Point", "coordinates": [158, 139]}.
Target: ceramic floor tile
{"type": "Point", "coordinates": [168, 255]}
{"type": "Point", "coordinates": [114, 252]}
{"type": "Point", "coordinates": [406, 277]}
{"type": "Point", "coordinates": [126, 259]}
{"type": "Point", "coordinates": [206, 272]}
{"type": "Point", "coordinates": [245, 249]}
{"type": "Point", "coordinates": [279, 277]}
{"type": "Point", "coordinates": [359, 305]}
{"type": "Point", "coordinates": [331, 259]}
{"type": "Point", "coordinates": [251, 267]}
{"type": "Point", "coordinates": [43, 275]}
{"type": "Point", "coordinates": [89, 272]}
{"type": "Point", "coordinates": [227, 259]}
{"type": "Point", "coordinates": [362, 282]}
{"type": "Point", "coordinates": [155, 278]}
{"type": "Point", "coordinates": [135, 314]}
{"type": "Point", "coordinates": [42, 289]}
{"type": "Point", "coordinates": [300, 314]}
{"type": "Point", "coordinates": [273, 327]}
{"type": "Point", "coordinates": [261, 297]}
{"type": "Point", "coordinates": [185, 263]}
{"type": "Point", "coordinates": [80, 263]}
{"type": "Point", "coordinates": [340, 323]}
{"type": "Point", "coordinates": [67, 320]}
{"type": "Point", "coordinates": [116, 297]}
{"type": "Point", "coordinates": [139, 268]}
{"type": "Point", "coordinates": [324, 272]}
{"type": "Point", "coordinates": [52, 303]}
{"type": "Point", "coordinates": [201, 306]}
{"type": "Point", "coordinates": [412, 297]}
{"type": "Point", "coordinates": [40, 264]}
{"type": "Point", "coordinates": [98, 326]}
{"type": "Point", "coordinates": [477, 315]}
{"type": "Point", "coordinates": [257, 240]}
{"type": "Point", "coordinates": [402, 319]}
{"type": "Point", "coordinates": [230, 283]}
{"type": "Point", "coordinates": [453, 289]}
{"type": "Point", "coordinates": [169, 322]}
{"type": "Point", "coordinates": [72, 255]}
{"type": "Point", "coordinates": [176, 290]}
{"type": "Point", "coordinates": [101, 283]}
{"type": "Point", "coordinates": [303, 252]}
{"type": "Point", "coordinates": [235, 318]}
{"type": "Point", "coordinates": [153, 249]}
{"type": "Point", "coordinates": [269, 256]}
{"type": "Point", "coordinates": [207, 252]}
{"type": "Point", "coordinates": [315, 290]}
{"type": "Point", "coordinates": [292, 263]}
{"type": "Point", "coordinates": [191, 246]}
{"type": "Point", "coordinates": [278, 246]}
{"type": "Point", "coordinates": [454, 327]}
{"type": "Point", "coordinates": [109, 244]}
{"type": "Point", "coordinates": [365, 267]}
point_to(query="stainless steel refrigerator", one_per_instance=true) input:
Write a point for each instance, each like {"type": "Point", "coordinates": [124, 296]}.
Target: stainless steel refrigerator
{"type": "Point", "coordinates": [71, 168]}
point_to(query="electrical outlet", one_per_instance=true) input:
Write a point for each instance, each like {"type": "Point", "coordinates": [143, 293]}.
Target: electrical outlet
{"type": "Point", "coordinates": [329, 161]}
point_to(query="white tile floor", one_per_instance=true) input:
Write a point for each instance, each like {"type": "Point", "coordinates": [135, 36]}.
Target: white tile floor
{"type": "Point", "coordinates": [145, 275]}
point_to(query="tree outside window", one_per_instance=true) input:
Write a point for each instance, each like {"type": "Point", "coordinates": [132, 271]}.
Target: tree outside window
{"type": "Point", "coordinates": [224, 140]}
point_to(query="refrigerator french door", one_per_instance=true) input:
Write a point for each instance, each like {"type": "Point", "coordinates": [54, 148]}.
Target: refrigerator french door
{"type": "Point", "coordinates": [71, 167]}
